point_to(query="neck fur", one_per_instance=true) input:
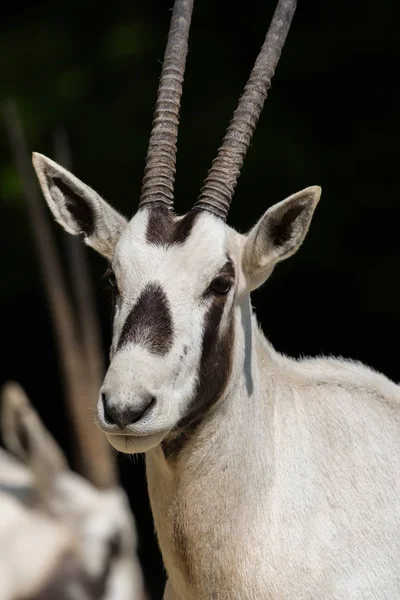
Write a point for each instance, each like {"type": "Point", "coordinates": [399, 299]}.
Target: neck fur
{"type": "Point", "coordinates": [186, 494]}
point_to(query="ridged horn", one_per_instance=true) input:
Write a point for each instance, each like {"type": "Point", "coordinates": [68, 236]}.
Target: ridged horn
{"type": "Point", "coordinates": [219, 186]}
{"type": "Point", "coordinates": [159, 173]}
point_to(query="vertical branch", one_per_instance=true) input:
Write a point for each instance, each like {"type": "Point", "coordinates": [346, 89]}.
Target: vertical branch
{"type": "Point", "coordinates": [61, 310]}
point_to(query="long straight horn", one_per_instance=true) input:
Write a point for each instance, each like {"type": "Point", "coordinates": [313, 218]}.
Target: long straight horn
{"type": "Point", "coordinates": [90, 462]}
{"type": "Point", "coordinates": [99, 458]}
{"type": "Point", "coordinates": [219, 186]}
{"type": "Point", "coordinates": [159, 173]}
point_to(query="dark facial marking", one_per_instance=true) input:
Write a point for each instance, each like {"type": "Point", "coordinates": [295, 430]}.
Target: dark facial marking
{"type": "Point", "coordinates": [70, 575]}
{"type": "Point", "coordinates": [23, 493]}
{"type": "Point", "coordinates": [149, 323]}
{"type": "Point", "coordinates": [114, 549]}
{"type": "Point", "coordinates": [164, 229]}
{"type": "Point", "coordinates": [65, 581]}
{"type": "Point", "coordinates": [215, 367]}
{"type": "Point", "coordinates": [77, 206]}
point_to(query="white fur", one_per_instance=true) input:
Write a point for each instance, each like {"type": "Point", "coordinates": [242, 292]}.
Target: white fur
{"type": "Point", "coordinates": [291, 492]}
{"type": "Point", "coordinates": [290, 488]}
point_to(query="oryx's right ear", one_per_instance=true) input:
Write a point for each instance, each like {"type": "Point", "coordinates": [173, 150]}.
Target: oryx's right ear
{"type": "Point", "coordinates": [78, 208]}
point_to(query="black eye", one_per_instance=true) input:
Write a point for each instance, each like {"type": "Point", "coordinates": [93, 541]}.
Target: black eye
{"type": "Point", "coordinates": [109, 276]}
{"type": "Point", "coordinates": [221, 285]}
{"type": "Point", "coordinates": [112, 281]}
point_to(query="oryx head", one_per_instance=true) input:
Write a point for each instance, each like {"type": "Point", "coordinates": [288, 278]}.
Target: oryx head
{"type": "Point", "coordinates": [180, 281]}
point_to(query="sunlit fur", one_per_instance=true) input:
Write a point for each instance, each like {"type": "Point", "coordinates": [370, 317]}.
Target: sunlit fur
{"type": "Point", "coordinates": [289, 486]}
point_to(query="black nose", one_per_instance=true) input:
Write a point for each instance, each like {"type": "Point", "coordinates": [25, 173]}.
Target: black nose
{"type": "Point", "coordinates": [117, 414]}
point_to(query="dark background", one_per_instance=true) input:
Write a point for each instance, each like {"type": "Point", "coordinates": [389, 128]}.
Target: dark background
{"type": "Point", "coordinates": [331, 119]}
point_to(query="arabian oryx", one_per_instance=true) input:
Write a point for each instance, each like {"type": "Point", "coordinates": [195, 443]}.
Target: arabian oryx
{"type": "Point", "coordinates": [61, 538]}
{"type": "Point", "coordinates": [269, 478]}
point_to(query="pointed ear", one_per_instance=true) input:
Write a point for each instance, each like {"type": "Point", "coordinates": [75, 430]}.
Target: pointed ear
{"type": "Point", "coordinates": [78, 208]}
{"type": "Point", "coordinates": [25, 436]}
{"type": "Point", "coordinates": [278, 235]}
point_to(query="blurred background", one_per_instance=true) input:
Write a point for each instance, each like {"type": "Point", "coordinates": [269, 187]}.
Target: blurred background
{"type": "Point", "coordinates": [332, 118]}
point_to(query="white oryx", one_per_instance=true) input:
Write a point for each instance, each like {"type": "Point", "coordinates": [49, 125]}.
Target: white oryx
{"type": "Point", "coordinates": [61, 538]}
{"type": "Point", "coordinates": [269, 478]}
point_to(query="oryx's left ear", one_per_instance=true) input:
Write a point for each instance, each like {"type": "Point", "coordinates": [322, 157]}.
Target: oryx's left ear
{"type": "Point", "coordinates": [78, 208]}
{"type": "Point", "coordinates": [278, 234]}
{"type": "Point", "coordinates": [26, 437]}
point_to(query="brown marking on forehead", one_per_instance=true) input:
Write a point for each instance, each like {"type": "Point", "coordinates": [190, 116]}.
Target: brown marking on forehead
{"type": "Point", "coordinates": [215, 368]}
{"type": "Point", "coordinates": [165, 229]}
{"type": "Point", "coordinates": [149, 323]}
